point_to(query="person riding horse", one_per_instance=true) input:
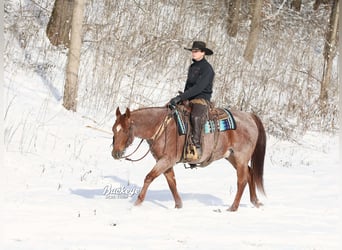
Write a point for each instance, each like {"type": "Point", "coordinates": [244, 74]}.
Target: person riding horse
{"type": "Point", "coordinates": [198, 90]}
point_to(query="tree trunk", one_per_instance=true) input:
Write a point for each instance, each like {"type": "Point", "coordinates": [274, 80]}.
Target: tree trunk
{"type": "Point", "coordinates": [329, 53]}
{"type": "Point", "coordinates": [233, 16]}
{"type": "Point", "coordinates": [71, 83]}
{"type": "Point", "coordinates": [59, 26]}
{"type": "Point", "coordinates": [296, 4]}
{"type": "Point", "coordinates": [255, 29]}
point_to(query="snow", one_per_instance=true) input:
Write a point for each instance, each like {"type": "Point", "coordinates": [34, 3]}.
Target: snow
{"type": "Point", "coordinates": [57, 174]}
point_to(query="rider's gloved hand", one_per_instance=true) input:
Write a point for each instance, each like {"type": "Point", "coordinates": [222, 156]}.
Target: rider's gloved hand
{"type": "Point", "coordinates": [174, 101]}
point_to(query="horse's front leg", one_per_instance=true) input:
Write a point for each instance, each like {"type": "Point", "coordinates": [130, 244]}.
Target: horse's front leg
{"type": "Point", "coordinates": [161, 166]}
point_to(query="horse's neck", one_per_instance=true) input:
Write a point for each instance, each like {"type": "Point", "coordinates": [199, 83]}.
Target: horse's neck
{"type": "Point", "coordinates": [147, 121]}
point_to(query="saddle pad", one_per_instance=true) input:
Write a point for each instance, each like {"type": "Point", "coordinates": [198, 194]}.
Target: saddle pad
{"type": "Point", "coordinates": [226, 123]}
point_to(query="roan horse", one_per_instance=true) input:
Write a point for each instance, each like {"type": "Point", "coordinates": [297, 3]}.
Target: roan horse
{"type": "Point", "coordinates": [246, 143]}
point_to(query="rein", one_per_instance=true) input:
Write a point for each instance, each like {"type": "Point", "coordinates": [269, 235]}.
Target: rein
{"type": "Point", "coordinates": [129, 159]}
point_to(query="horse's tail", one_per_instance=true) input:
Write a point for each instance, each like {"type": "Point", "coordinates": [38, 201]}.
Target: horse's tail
{"type": "Point", "coordinates": [258, 156]}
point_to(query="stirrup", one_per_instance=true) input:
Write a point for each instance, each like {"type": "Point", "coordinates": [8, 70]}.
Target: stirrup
{"type": "Point", "coordinates": [192, 153]}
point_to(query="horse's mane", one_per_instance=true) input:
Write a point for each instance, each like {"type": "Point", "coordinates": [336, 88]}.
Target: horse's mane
{"type": "Point", "coordinates": [152, 108]}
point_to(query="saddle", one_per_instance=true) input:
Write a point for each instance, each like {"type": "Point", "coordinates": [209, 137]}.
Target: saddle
{"type": "Point", "coordinates": [217, 120]}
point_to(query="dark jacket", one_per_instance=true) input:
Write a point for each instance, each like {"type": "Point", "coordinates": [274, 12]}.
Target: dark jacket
{"type": "Point", "coordinates": [200, 81]}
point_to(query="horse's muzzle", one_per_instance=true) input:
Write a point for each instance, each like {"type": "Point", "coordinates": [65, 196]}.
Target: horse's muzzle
{"type": "Point", "coordinates": [117, 154]}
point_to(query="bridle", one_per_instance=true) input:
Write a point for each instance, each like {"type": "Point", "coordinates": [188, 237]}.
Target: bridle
{"type": "Point", "coordinates": [155, 136]}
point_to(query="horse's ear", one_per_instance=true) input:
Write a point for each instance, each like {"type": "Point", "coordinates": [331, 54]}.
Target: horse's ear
{"type": "Point", "coordinates": [128, 113]}
{"type": "Point", "coordinates": [118, 113]}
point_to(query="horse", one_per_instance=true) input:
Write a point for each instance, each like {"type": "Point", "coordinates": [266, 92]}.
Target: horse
{"type": "Point", "coordinates": [247, 143]}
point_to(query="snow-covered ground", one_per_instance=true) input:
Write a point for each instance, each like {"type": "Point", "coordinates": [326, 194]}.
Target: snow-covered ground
{"type": "Point", "coordinates": [58, 172]}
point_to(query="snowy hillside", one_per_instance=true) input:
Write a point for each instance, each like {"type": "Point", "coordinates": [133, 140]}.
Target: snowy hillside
{"type": "Point", "coordinates": [58, 173]}
{"type": "Point", "coordinates": [132, 55]}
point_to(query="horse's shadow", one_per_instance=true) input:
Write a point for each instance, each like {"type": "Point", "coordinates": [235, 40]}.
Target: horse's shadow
{"type": "Point", "coordinates": [154, 196]}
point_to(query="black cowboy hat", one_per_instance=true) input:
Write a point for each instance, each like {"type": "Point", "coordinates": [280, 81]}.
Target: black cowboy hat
{"type": "Point", "coordinates": [201, 46]}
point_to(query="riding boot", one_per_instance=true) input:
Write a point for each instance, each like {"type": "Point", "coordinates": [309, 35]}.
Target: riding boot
{"type": "Point", "coordinates": [198, 114]}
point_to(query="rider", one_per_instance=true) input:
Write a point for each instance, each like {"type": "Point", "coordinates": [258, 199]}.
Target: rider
{"type": "Point", "coordinates": [198, 89]}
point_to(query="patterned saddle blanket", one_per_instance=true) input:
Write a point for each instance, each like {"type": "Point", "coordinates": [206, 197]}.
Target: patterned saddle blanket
{"type": "Point", "coordinates": [224, 123]}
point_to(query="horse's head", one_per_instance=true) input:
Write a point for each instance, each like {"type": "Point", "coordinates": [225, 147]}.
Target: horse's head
{"type": "Point", "coordinates": [123, 133]}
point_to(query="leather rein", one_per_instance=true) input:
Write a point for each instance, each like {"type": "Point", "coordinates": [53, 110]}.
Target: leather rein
{"type": "Point", "coordinates": [129, 159]}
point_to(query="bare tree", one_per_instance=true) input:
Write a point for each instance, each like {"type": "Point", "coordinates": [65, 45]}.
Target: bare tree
{"type": "Point", "coordinates": [59, 26]}
{"type": "Point", "coordinates": [255, 29]}
{"type": "Point", "coordinates": [233, 16]}
{"type": "Point", "coordinates": [329, 53]}
{"type": "Point", "coordinates": [71, 83]}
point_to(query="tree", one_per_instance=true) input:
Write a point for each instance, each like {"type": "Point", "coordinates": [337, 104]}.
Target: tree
{"type": "Point", "coordinates": [329, 53]}
{"type": "Point", "coordinates": [233, 16]}
{"type": "Point", "coordinates": [255, 29]}
{"type": "Point", "coordinates": [59, 26]}
{"type": "Point", "coordinates": [71, 83]}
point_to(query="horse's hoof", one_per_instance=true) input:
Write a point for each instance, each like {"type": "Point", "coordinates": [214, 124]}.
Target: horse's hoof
{"type": "Point", "coordinates": [232, 209]}
{"type": "Point", "coordinates": [257, 204]}
{"type": "Point", "coordinates": [179, 205]}
{"type": "Point", "coordinates": [137, 202]}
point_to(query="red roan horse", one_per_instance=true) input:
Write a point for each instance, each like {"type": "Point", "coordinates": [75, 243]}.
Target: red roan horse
{"type": "Point", "coordinates": [246, 143]}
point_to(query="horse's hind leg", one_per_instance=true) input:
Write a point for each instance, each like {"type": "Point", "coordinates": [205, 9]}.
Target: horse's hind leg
{"type": "Point", "coordinates": [242, 179]}
{"type": "Point", "coordinates": [252, 189]}
{"type": "Point", "coordinates": [171, 180]}
{"type": "Point", "coordinates": [244, 175]}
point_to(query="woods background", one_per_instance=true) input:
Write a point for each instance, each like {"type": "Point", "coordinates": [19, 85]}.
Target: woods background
{"type": "Point", "coordinates": [132, 56]}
